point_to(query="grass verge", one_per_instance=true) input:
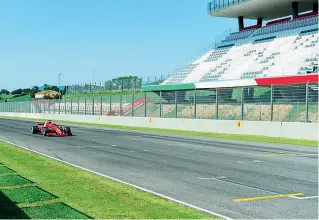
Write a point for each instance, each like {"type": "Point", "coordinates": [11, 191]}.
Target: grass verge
{"type": "Point", "coordinates": [255, 138]}
{"type": "Point", "coordinates": [91, 194]}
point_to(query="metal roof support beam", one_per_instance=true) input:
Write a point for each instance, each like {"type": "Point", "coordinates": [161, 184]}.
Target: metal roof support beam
{"type": "Point", "coordinates": [241, 22]}
{"type": "Point", "coordinates": [295, 9]}
{"type": "Point", "coordinates": [259, 21]}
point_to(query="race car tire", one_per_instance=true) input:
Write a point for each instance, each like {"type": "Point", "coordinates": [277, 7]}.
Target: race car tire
{"type": "Point", "coordinates": [68, 130]}
{"type": "Point", "coordinates": [34, 129]}
{"type": "Point", "coordinates": [45, 131]}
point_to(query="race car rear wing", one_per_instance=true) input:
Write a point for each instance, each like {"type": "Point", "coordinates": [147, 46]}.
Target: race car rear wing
{"type": "Point", "coordinates": [39, 123]}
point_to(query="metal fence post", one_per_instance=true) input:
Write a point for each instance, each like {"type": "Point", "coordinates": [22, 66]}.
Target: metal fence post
{"type": "Point", "coordinates": [59, 106]}
{"type": "Point", "coordinates": [216, 114]}
{"type": "Point", "coordinates": [101, 105]}
{"type": "Point", "coordinates": [272, 103]}
{"type": "Point", "coordinates": [49, 107]}
{"type": "Point", "coordinates": [133, 105]}
{"type": "Point", "coordinates": [176, 110]}
{"type": "Point", "coordinates": [260, 111]}
{"type": "Point", "coordinates": [71, 110]}
{"type": "Point", "coordinates": [65, 106]}
{"type": "Point", "coordinates": [242, 103]}
{"type": "Point", "coordinates": [160, 104]}
{"type": "Point", "coordinates": [195, 105]}
{"type": "Point", "coordinates": [145, 104]}
{"type": "Point", "coordinates": [307, 102]}
{"type": "Point", "coordinates": [121, 103]}
{"type": "Point", "coordinates": [297, 115]}
{"type": "Point", "coordinates": [85, 105]}
{"type": "Point", "coordinates": [78, 105]}
{"type": "Point", "coordinates": [93, 105]}
{"type": "Point", "coordinates": [110, 104]}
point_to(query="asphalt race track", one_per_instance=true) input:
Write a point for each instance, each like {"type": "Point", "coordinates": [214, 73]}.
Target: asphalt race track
{"type": "Point", "coordinates": [208, 173]}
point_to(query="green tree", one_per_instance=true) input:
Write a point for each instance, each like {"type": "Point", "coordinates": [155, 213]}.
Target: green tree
{"type": "Point", "coordinates": [34, 90]}
{"type": "Point", "coordinates": [4, 91]}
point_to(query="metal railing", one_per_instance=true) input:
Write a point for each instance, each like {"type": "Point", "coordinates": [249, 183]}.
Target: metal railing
{"type": "Point", "coordinates": [118, 84]}
{"type": "Point", "coordinates": [271, 103]}
{"type": "Point", "coordinates": [220, 4]}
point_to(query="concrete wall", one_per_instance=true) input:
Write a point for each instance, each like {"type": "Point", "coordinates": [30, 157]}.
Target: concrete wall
{"type": "Point", "coordinates": [297, 130]}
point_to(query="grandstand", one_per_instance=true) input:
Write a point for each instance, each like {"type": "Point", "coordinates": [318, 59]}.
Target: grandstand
{"type": "Point", "coordinates": [282, 44]}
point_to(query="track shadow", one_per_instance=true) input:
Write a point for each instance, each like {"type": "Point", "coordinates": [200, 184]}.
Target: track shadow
{"type": "Point", "coordinates": [10, 198]}
{"type": "Point", "coordinates": [9, 210]}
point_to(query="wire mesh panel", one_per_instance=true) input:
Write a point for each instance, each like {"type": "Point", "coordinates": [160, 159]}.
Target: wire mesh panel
{"type": "Point", "coordinates": [289, 103]}
{"type": "Point", "coordinates": [313, 103]}
{"type": "Point", "coordinates": [206, 104]}
{"type": "Point", "coordinates": [81, 105]}
{"type": "Point", "coordinates": [96, 105]}
{"type": "Point", "coordinates": [127, 105]}
{"type": "Point", "coordinates": [229, 103]}
{"type": "Point", "coordinates": [89, 105]}
{"type": "Point", "coordinates": [139, 104]}
{"type": "Point", "coordinates": [168, 104]}
{"type": "Point", "coordinates": [67, 106]}
{"type": "Point", "coordinates": [153, 104]}
{"type": "Point", "coordinates": [185, 104]}
{"type": "Point", "coordinates": [106, 108]}
{"type": "Point", "coordinates": [116, 101]}
{"type": "Point", "coordinates": [256, 102]}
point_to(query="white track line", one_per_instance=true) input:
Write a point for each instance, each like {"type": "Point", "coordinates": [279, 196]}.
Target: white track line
{"type": "Point", "coordinates": [254, 161]}
{"type": "Point", "coordinates": [304, 155]}
{"type": "Point", "coordinates": [135, 186]}
{"type": "Point", "coordinates": [211, 178]}
{"type": "Point", "coordinates": [302, 198]}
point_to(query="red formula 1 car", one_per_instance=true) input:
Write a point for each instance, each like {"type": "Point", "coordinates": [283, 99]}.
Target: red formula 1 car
{"type": "Point", "coordinates": [50, 129]}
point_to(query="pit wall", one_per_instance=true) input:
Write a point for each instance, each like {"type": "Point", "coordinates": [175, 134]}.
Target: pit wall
{"type": "Point", "coordinates": [296, 130]}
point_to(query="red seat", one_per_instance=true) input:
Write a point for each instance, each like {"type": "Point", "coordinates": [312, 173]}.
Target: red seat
{"type": "Point", "coordinates": [278, 21]}
{"type": "Point", "coordinates": [307, 15]}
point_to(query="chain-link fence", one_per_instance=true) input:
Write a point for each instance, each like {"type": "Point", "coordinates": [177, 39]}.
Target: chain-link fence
{"type": "Point", "coordinates": [270, 103]}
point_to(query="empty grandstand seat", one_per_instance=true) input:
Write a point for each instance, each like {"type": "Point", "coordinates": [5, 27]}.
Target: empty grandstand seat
{"type": "Point", "coordinates": [288, 25]}
{"type": "Point", "coordinates": [180, 76]}
{"type": "Point", "coordinates": [289, 50]}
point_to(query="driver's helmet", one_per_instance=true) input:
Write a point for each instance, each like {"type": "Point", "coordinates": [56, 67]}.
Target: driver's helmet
{"type": "Point", "coordinates": [47, 123]}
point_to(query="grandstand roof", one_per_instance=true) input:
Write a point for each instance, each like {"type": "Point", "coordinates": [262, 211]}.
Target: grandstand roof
{"type": "Point", "coordinates": [253, 9]}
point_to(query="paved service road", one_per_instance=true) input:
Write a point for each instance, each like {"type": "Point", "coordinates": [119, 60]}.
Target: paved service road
{"type": "Point", "coordinates": [217, 175]}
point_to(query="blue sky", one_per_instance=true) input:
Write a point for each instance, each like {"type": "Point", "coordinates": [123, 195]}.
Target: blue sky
{"type": "Point", "coordinates": [39, 38]}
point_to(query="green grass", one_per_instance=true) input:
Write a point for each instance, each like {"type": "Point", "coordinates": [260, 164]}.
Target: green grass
{"type": "Point", "coordinates": [27, 195]}
{"type": "Point", "coordinates": [91, 194]}
{"type": "Point", "coordinates": [6, 96]}
{"type": "Point", "coordinates": [9, 210]}
{"type": "Point", "coordinates": [5, 170]}
{"type": "Point", "coordinates": [53, 211]}
{"type": "Point", "coordinates": [256, 138]}
{"type": "Point", "coordinates": [22, 98]}
{"type": "Point", "coordinates": [12, 180]}
{"type": "Point", "coordinates": [16, 97]}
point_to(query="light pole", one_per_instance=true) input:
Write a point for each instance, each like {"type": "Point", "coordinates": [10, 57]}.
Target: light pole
{"type": "Point", "coordinates": [59, 92]}
{"type": "Point", "coordinates": [93, 79]}
{"type": "Point", "coordinates": [59, 84]}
